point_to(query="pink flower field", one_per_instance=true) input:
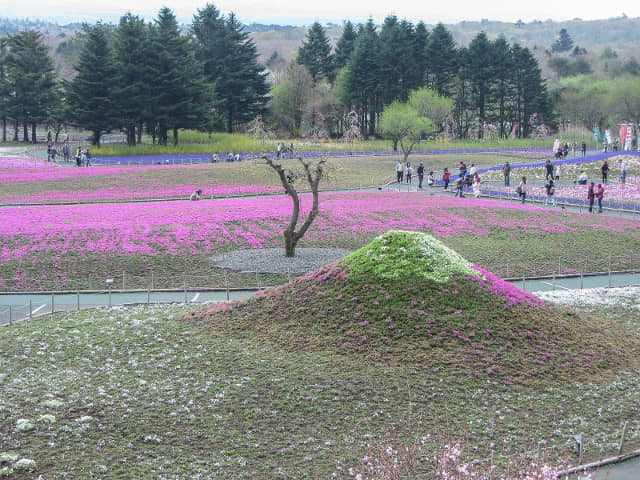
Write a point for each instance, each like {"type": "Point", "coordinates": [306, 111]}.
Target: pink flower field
{"type": "Point", "coordinates": [72, 240]}
{"type": "Point", "coordinates": [23, 181]}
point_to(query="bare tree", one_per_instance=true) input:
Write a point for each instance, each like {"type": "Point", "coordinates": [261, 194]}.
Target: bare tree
{"type": "Point", "coordinates": [313, 171]}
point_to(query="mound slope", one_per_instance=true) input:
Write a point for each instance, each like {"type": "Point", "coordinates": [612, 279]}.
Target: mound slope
{"type": "Point", "coordinates": [408, 299]}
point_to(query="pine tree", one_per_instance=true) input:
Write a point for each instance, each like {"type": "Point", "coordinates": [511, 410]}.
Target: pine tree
{"type": "Point", "coordinates": [480, 66]}
{"type": "Point", "coordinates": [230, 64]}
{"type": "Point", "coordinates": [180, 94]}
{"type": "Point", "coordinates": [531, 94]}
{"type": "Point", "coordinates": [398, 68]}
{"type": "Point", "coordinates": [563, 43]}
{"type": "Point", "coordinates": [363, 85]}
{"type": "Point", "coordinates": [133, 77]}
{"type": "Point", "coordinates": [30, 80]}
{"type": "Point", "coordinates": [503, 81]}
{"type": "Point", "coordinates": [315, 53]}
{"type": "Point", "coordinates": [419, 56]}
{"type": "Point", "coordinates": [441, 61]}
{"type": "Point", "coordinates": [344, 47]}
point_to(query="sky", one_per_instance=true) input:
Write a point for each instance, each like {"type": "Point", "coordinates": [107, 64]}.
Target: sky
{"type": "Point", "coordinates": [301, 12]}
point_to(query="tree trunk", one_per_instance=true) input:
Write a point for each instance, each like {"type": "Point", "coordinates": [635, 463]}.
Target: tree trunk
{"type": "Point", "coordinates": [175, 136]}
{"type": "Point", "coordinates": [289, 243]}
{"type": "Point", "coordinates": [25, 132]}
{"type": "Point", "coordinates": [4, 129]}
{"type": "Point", "coordinates": [15, 130]}
{"type": "Point", "coordinates": [34, 137]}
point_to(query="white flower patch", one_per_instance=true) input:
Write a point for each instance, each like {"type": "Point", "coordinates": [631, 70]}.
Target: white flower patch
{"type": "Point", "coordinates": [24, 425]}
{"type": "Point", "coordinates": [9, 457]}
{"type": "Point", "coordinates": [84, 419]}
{"type": "Point", "coordinates": [47, 418]}
{"type": "Point", "coordinates": [25, 464]}
{"type": "Point", "coordinates": [623, 296]}
{"type": "Point", "coordinates": [53, 403]}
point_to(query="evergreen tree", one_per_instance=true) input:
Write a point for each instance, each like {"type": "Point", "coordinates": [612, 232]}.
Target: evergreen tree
{"type": "Point", "coordinates": [419, 56]}
{"type": "Point", "coordinates": [398, 68]}
{"type": "Point", "coordinates": [4, 87]}
{"type": "Point", "coordinates": [345, 45]}
{"type": "Point", "coordinates": [480, 66]}
{"type": "Point", "coordinates": [441, 61]}
{"type": "Point", "coordinates": [90, 94]}
{"type": "Point", "coordinates": [563, 43]}
{"type": "Point", "coordinates": [180, 94]}
{"type": "Point", "coordinates": [503, 82]}
{"type": "Point", "coordinates": [531, 95]}
{"type": "Point", "coordinates": [230, 64]}
{"type": "Point", "coordinates": [363, 86]}
{"type": "Point", "coordinates": [315, 53]}
{"type": "Point", "coordinates": [30, 80]}
{"type": "Point", "coordinates": [133, 77]}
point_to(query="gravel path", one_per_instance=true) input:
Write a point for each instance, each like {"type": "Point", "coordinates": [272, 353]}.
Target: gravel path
{"type": "Point", "coordinates": [273, 260]}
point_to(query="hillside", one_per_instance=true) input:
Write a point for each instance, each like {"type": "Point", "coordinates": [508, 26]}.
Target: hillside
{"type": "Point", "coordinates": [622, 35]}
{"type": "Point", "coordinates": [406, 299]}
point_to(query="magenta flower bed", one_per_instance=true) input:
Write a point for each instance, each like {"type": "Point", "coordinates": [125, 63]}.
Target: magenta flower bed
{"type": "Point", "coordinates": [110, 184]}
{"type": "Point", "coordinates": [24, 164]}
{"type": "Point", "coordinates": [195, 227]}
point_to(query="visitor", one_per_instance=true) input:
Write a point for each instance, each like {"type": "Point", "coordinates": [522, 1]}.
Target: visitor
{"type": "Point", "coordinates": [431, 181]}
{"type": "Point", "coordinates": [605, 171]}
{"type": "Point", "coordinates": [214, 158]}
{"type": "Point", "coordinates": [600, 196]}
{"type": "Point", "coordinates": [521, 189]}
{"type": "Point", "coordinates": [196, 195]}
{"type": "Point", "coordinates": [460, 187]}
{"type": "Point", "coordinates": [291, 150]}
{"type": "Point", "coordinates": [83, 159]}
{"type": "Point", "coordinates": [582, 179]}
{"type": "Point", "coordinates": [462, 169]}
{"type": "Point", "coordinates": [476, 185]}
{"type": "Point", "coordinates": [399, 171]}
{"type": "Point", "coordinates": [409, 172]}
{"type": "Point", "coordinates": [473, 170]}
{"type": "Point", "coordinates": [420, 173]}
{"type": "Point", "coordinates": [623, 172]}
{"type": "Point", "coordinates": [551, 190]}
{"type": "Point", "coordinates": [591, 195]}
{"type": "Point", "coordinates": [87, 154]}
{"type": "Point", "coordinates": [279, 150]}
{"type": "Point", "coordinates": [79, 157]}
{"type": "Point", "coordinates": [236, 157]}
{"type": "Point", "coordinates": [584, 149]}
{"type": "Point", "coordinates": [446, 176]}
{"type": "Point", "coordinates": [506, 171]}
{"type": "Point", "coordinates": [557, 172]}
{"type": "Point", "coordinates": [549, 167]}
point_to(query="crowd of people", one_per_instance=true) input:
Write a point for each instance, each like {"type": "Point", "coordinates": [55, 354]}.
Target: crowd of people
{"type": "Point", "coordinates": [469, 178]}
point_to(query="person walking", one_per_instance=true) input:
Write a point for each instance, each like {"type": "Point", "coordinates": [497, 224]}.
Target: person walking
{"type": "Point", "coordinates": [623, 172]}
{"type": "Point", "coordinates": [399, 171]}
{"type": "Point", "coordinates": [551, 190]}
{"type": "Point", "coordinates": [521, 189]}
{"type": "Point", "coordinates": [605, 171]}
{"type": "Point", "coordinates": [584, 149]}
{"type": "Point", "coordinates": [591, 195]}
{"type": "Point", "coordinates": [549, 167]}
{"type": "Point", "coordinates": [420, 172]}
{"type": "Point", "coordinates": [459, 187]}
{"type": "Point", "coordinates": [446, 176]}
{"type": "Point", "coordinates": [476, 185]}
{"type": "Point", "coordinates": [600, 196]}
{"type": "Point", "coordinates": [506, 171]}
{"type": "Point", "coordinates": [409, 172]}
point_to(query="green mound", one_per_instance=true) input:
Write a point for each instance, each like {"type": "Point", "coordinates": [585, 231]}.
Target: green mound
{"type": "Point", "coordinates": [407, 299]}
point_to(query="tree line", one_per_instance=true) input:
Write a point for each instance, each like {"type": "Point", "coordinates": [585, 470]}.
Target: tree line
{"type": "Point", "coordinates": [138, 77]}
{"type": "Point", "coordinates": [154, 78]}
{"type": "Point", "coordinates": [492, 84]}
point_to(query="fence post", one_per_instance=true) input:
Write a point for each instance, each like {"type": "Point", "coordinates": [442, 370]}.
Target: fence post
{"type": "Point", "coordinates": [184, 282]}
{"type": "Point", "coordinates": [257, 280]}
{"type": "Point", "coordinates": [624, 434]}
{"type": "Point", "coordinates": [559, 269]}
{"type": "Point", "coordinates": [124, 276]}
{"type": "Point", "coordinates": [152, 282]}
{"type": "Point", "coordinates": [226, 284]}
{"type": "Point", "coordinates": [609, 269]}
{"type": "Point", "coordinates": [30, 309]}
{"type": "Point", "coordinates": [78, 300]}
{"type": "Point", "coordinates": [554, 280]}
{"type": "Point", "coordinates": [53, 308]}
{"type": "Point", "coordinates": [524, 286]}
{"type": "Point", "coordinates": [109, 295]}
{"type": "Point", "coordinates": [10, 316]}
{"type": "Point", "coordinates": [534, 267]}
